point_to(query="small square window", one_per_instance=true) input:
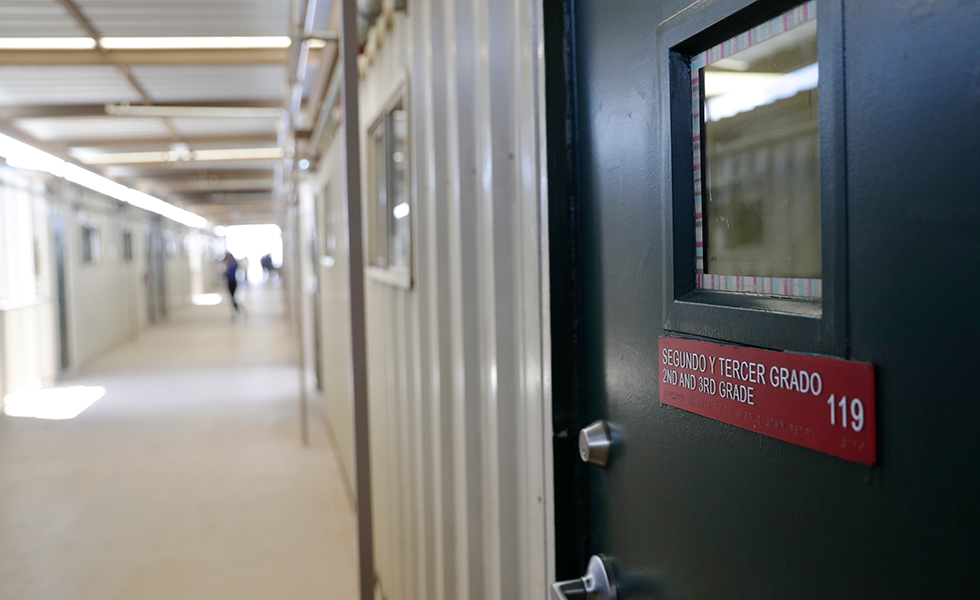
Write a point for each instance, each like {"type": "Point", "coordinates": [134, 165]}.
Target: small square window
{"type": "Point", "coordinates": [756, 139]}
{"type": "Point", "coordinates": [127, 245]}
{"type": "Point", "coordinates": [327, 209]}
{"type": "Point", "coordinates": [91, 245]}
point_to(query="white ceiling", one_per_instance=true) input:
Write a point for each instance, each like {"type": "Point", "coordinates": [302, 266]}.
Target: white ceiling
{"type": "Point", "coordinates": [76, 93]}
{"type": "Point", "coordinates": [47, 85]}
{"type": "Point", "coordinates": [36, 18]}
{"type": "Point", "coordinates": [206, 83]}
{"type": "Point", "coordinates": [137, 18]}
{"type": "Point", "coordinates": [198, 126]}
{"type": "Point", "coordinates": [92, 128]}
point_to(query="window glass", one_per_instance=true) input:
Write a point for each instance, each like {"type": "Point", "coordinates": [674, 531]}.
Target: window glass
{"type": "Point", "coordinates": [21, 237]}
{"type": "Point", "coordinates": [757, 170]}
{"type": "Point", "coordinates": [399, 224]}
{"type": "Point", "coordinates": [127, 245]}
{"type": "Point", "coordinates": [91, 245]}
{"type": "Point", "coordinates": [379, 223]}
{"type": "Point", "coordinates": [389, 193]}
{"type": "Point", "coordinates": [329, 219]}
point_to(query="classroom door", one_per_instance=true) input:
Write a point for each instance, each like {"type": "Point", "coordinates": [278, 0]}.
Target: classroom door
{"type": "Point", "coordinates": [774, 226]}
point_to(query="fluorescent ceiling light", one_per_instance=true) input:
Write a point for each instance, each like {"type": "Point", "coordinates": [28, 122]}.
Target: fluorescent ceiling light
{"type": "Point", "coordinates": [719, 83]}
{"type": "Point", "coordinates": [211, 112]}
{"type": "Point", "coordinates": [47, 43]}
{"type": "Point", "coordinates": [767, 92]}
{"type": "Point", "coordinates": [24, 156]}
{"type": "Point", "coordinates": [172, 156]}
{"type": "Point", "coordinates": [731, 64]}
{"type": "Point", "coordinates": [314, 43]}
{"type": "Point", "coordinates": [153, 43]}
{"type": "Point", "coordinates": [195, 43]}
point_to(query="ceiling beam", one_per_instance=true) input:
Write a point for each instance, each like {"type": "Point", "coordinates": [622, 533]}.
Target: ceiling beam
{"type": "Point", "coordinates": [56, 111]}
{"type": "Point", "coordinates": [163, 142]}
{"type": "Point", "coordinates": [188, 156]}
{"type": "Point", "coordinates": [232, 215]}
{"type": "Point", "coordinates": [186, 171]}
{"type": "Point", "coordinates": [119, 58]}
{"type": "Point", "coordinates": [249, 198]}
{"type": "Point", "coordinates": [204, 186]}
{"type": "Point", "coordinates": [89, 28]}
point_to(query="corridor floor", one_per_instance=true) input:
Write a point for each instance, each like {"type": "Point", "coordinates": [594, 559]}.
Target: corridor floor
{"type": "Point", "coordinates": [186, 481]}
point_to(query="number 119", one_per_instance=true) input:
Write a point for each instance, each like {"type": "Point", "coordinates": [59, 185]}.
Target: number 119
{"type": "Point", "coordinates": [856, 412]}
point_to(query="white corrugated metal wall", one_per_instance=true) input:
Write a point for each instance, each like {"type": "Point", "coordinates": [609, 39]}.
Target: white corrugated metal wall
{"type": "Point", "coordinates": [458, 363]}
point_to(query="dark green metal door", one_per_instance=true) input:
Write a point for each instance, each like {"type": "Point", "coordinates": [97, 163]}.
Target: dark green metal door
{"type": "Point", "coordinates": [690, 507]}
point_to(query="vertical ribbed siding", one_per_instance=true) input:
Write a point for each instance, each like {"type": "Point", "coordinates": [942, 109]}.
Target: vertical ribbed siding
{"type": "Point", "coordinates": [460, 418]}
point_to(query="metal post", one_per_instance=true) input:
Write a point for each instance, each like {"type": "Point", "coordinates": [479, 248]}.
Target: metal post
{"type": "Point", "coordinates": [362, 456]}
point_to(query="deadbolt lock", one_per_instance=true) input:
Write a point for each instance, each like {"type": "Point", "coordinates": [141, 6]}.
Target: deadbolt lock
{"type": "Point", "coordinates": [595, 444]}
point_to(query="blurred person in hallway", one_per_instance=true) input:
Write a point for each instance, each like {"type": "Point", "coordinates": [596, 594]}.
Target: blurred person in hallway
{"type": "Point", "coordinates": [231, 277]}
{"type": "Point", "coordinates": [267, 267]}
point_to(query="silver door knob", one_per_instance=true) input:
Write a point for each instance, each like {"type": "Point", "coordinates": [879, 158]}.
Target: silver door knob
{"type": "Point", "coordinates": [595, 585]}
{"type": "Point", "coordinates": [595, 444]}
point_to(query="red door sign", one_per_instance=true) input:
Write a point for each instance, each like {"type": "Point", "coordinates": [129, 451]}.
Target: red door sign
{"type": "Point", "coordinates": [824, 404]}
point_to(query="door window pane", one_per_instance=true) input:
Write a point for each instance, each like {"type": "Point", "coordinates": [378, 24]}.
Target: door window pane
{"type": "Point", "coordinates": [757, 151]}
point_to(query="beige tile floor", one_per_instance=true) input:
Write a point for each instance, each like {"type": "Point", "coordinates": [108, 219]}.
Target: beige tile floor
{"type": "Point", "coordinates": [186, 481]}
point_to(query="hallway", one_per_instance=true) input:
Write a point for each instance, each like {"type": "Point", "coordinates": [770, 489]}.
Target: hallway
{"type": "Point", "coordinates": [186, 480]}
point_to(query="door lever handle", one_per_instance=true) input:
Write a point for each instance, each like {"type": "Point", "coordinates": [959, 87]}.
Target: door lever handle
{"type": "Point", "coordinates": [568, 590]}
{"type": "Point", "coordinates": [595, 585]}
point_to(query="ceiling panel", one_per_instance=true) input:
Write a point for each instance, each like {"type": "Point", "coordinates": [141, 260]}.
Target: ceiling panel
{"type": "Point", "coordinates": [203, 83]}
{"type": "Point", "coordinates": [36, 18]}
{"type": "Point", "coordinates": [63, 85]}
{"type": "Point", "coordinates": [187, 17]}
{"type": "Point", "coordinates": [226, 126]}
{"type": "Point", "coordinates": [92, 127]}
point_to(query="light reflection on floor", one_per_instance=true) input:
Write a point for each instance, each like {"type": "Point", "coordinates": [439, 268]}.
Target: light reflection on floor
{"type": "Point", "coordinates": [52, 403]}
{"type": "Point", "coordinates": [206, 299]}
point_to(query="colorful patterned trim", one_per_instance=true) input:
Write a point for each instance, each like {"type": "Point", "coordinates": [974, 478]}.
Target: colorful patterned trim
{"type": "Point", "coordinates": [784, 22]}
{"type": "Point", "coordinates": [769, 286]}
{"type": "Point", "coordinates": [775, 286]}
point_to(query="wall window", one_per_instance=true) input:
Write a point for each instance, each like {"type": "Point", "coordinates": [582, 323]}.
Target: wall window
{"type": "Point", "coordinates": [91, 245]}
{"type": "Point", "coordinates": [325, 208]}
{"type": "Point", "coordinates": [127, 243]}
{"type": "Point", "coordinates": [389, 192]}
{"type": "Point", "coordinates": [23, 254]}
{"type": "Point", "coordinates": [757, 160]}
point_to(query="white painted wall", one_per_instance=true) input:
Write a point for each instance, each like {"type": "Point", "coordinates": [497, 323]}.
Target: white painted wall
{"type": "Point", "coordinates": [177, 240]}
{"type": "Point", "coordinates": [106, 299]}
{"type": "Point", "coordinates": [27, 319]}
{"type": "Point", "coordinates": [459, 402]}
{"type": "Point", "coordinates": [328, 185]}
